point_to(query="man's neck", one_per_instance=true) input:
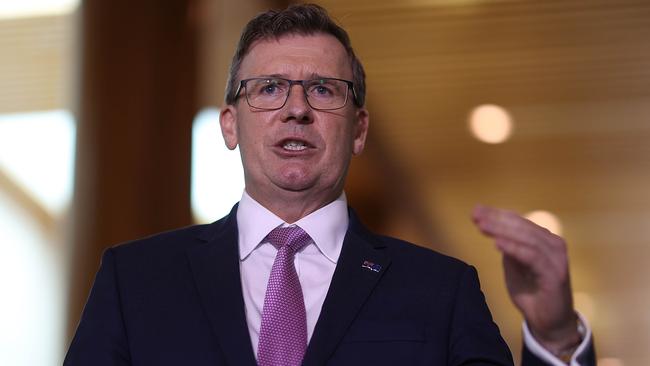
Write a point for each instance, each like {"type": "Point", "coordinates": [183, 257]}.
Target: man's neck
{"type": "Point", "coordinates": [292, 206]}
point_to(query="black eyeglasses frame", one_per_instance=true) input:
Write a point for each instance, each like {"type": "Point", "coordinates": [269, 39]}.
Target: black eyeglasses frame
{"type": "Point", "coordinates": [350, 84]}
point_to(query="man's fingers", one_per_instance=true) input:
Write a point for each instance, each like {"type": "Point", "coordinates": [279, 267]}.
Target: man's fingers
{"type": "Point", "coordinates": [537, 259]}
{"type": "Point", "coordinates": [522, 240]}
{"type": "Point", "coordinates": [508, 225]}
{"type": "Point", "coordinates": [501, 223]}
{"type": "Point", "coordinates": [527, 255]}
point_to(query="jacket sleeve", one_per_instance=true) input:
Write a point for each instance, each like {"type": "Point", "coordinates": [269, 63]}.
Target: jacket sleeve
{"type": "Point", "coordinates": [100, 339]}
{"type": "Point", "coordinates": [474, 337]}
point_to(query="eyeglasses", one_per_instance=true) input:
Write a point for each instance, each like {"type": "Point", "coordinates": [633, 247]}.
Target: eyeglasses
{"type": "Point", "coordinates": [272, 93]}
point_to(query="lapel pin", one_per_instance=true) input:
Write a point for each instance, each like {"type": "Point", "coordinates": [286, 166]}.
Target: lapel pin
{"type": "Point", "coordinates": [371, 266]}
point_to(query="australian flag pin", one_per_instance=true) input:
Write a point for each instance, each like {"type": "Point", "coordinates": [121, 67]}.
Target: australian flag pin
{"type": "Point", "coordinates": [371, 266]}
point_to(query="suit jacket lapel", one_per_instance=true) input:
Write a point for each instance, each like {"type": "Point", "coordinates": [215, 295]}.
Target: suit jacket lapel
{"type": "Point", "coordinates": [215, 266]}
{"type": "Point", "coordinates": [352, 283]}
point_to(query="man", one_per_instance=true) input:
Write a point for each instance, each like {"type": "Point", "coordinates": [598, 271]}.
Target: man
{"type": "Point", "coordinates": [291, 276]}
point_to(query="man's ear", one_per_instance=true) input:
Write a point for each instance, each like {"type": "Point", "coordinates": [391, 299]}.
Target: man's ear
{"type": "Point", "coordinates": [361, 131]}
{"type": "Point", "coordinates": [228, 122]}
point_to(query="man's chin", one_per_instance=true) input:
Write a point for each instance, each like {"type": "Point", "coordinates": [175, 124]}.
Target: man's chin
{"type": "Point", "coordinates": [296, 178]}
{"type": "Point", "coordinates": [297, 186]}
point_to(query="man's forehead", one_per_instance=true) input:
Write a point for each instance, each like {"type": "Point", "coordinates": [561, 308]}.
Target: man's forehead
{"type": "Point", "coordinates": [309, 38]}
{"type": "Point", "coordinates": [317, 55]}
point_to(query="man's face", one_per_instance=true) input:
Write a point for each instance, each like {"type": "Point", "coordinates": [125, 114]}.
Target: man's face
{"type": "Point", "coordinates": [273, 166]}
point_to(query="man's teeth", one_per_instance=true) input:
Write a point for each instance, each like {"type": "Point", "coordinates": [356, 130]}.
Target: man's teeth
{"type": "Point", "coordinates": [295, 145]}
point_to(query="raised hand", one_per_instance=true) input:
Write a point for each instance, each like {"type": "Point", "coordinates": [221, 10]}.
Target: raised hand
{"type": "Point", "coordinates": [536, 267]}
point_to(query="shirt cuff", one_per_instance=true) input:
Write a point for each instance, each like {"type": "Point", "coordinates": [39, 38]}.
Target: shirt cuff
{"type": "Point", "coordinates": [538, 350]}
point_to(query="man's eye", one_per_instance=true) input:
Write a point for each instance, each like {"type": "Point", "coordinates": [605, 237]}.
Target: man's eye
{"type": "Point", "coordinates": [270, 89]}
{"type": "Point", "coordinates": [320, 90]}
{"type": "Point", "coordinates": [323, 90]}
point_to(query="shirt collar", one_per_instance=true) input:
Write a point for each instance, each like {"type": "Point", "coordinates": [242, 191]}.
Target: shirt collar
{"type": "Point", "coordinates": [326, 226]}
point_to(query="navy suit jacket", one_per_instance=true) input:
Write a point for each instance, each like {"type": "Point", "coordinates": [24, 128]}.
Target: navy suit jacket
{"type": "Point", "coordinates": [175, 299]}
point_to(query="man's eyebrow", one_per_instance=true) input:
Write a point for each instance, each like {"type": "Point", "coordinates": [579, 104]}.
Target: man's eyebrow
{"type": "Point", "coordinates": [319, 76]}
{"type": "Point", "coordinates": [271, 76]}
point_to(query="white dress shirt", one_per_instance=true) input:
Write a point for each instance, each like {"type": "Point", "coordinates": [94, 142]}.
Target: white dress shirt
{"type": "Point", "coordinates": [315, 264]}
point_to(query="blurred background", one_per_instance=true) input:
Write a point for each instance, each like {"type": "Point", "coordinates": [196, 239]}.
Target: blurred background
{"type": "Point", "coordinates": [109, 132]}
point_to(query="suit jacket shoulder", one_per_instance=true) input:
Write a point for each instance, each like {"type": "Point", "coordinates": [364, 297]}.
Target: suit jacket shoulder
{"type": "Point", "coordinates": [169, 299]}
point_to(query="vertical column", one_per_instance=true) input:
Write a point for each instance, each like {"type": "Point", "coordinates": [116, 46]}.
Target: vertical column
{"type": "Point", "coordinates": [137, 99]}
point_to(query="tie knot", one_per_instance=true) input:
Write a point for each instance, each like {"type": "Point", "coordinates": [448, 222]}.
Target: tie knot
{"type": "Point", "coordinates": [293, 237]}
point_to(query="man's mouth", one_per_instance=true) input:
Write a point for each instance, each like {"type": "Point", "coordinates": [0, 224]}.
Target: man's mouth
{"type": "Point", "coordinates": [294, 145]}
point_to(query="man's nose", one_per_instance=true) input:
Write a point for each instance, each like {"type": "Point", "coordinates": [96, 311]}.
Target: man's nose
{"type": "Point", "coordinates": [297, 108]}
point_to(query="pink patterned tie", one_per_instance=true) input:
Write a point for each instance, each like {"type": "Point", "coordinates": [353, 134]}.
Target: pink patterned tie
{"type": "Point", "coordinates": [283, 333]}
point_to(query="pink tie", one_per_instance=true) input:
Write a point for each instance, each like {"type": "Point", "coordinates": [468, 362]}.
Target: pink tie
{"type": "Point", "coordinates": [283, 333]}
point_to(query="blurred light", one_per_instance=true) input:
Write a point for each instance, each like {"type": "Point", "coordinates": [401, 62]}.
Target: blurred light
{"type": "Point", "coordinates": [37, 152]}
{"type": "Point", "coordinates": [547, 220]}
{"type": "Point", "coordinates": [217, 173]}
{"type": "Point", "coordinates": [32, 8]}
{"type": "Point", "coordinates": [610, 361]}
{"type": "Point", "coordinates": [490, 123]}
{"type": "Point", "coordinates": [585, 304]}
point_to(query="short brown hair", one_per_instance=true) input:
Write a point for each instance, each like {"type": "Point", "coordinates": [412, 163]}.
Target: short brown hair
{"type": "Point", "coordinates": [303, 19]}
